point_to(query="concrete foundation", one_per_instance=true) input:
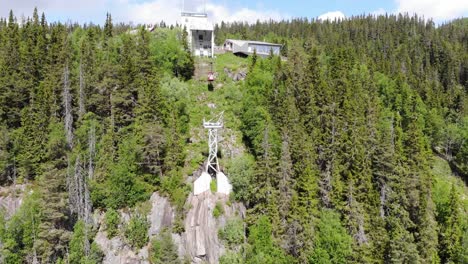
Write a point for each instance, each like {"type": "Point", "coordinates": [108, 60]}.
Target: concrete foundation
{"type": "Point", "coordinates": [223, 184]}
{"type": "Point", "coordinates": [202, 184]}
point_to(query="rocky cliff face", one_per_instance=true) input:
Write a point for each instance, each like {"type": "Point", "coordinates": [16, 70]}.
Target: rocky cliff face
{"type": "Point", "coordinates": [11, 198]}
{"type": "Point", "coordinates": [201, 227]}
{"type": "Point", "coordinates": [199, 243]}
{"type": "Point", "coordinates": [117, 251]}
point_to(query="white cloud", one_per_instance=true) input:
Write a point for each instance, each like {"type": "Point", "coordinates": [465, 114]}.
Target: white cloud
{"type": "Point", "coordinates": [136, 11]}
{"type": "Point", "coordinates": [147, 12]}
{"type": "Point", "coordinates": [26, 7]}
{"type": "Point", "coordinates": [220, 13]}
{"type": "Point", "coordinates": [439, 10]}
{"type": "Point", "coordinates": [332, 15]}
{"type": "Point", "coordinates": [168, 11]}
{"type": "Point", "coordinates": [378, 12]}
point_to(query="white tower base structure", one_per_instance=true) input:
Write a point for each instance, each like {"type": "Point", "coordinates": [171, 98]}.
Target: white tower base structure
{"type": "Point", "coordinates": [202, 184]}
{"type": "Point", "coordinates": [223, 185]}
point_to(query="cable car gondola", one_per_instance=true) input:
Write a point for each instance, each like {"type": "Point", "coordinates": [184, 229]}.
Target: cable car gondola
{"type": "Point", "coordinates": [211, 77]}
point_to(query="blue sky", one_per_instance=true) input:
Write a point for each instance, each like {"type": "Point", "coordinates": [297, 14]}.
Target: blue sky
{"type": "Point", "coordinates": [151, 11]}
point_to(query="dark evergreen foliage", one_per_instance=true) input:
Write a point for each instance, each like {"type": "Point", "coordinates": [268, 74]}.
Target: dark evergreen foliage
{"type": "Point", "coordinates": [342, 137]}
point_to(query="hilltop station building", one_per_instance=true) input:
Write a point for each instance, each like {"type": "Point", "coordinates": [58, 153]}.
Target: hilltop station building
{"type": "Point", "coordinates": [200, 33]}
{"type": "Point", "coordinates": [247, 47]}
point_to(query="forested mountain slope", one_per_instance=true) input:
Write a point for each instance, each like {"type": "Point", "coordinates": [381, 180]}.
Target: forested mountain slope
{"type": "Point", "coordinates": [354, 150]}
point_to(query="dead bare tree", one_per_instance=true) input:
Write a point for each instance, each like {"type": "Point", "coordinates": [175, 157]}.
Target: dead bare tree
{"type": "Point", "coordinates": [81, 100]}
{"type": "Point", "coordinates": [67, 105]}
{"type": "Point", "coordinates": [91, 150]}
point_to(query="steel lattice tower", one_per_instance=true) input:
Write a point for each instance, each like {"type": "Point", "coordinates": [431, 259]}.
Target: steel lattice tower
{"type": "Point", "coordinates": [213, 125]}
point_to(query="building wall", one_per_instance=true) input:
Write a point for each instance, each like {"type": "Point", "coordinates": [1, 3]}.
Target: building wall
{"type": "Point", "coordinates": [202, 42]}
{"type": "Point", "coordinates": [264, 49]}
{"type": "Point", "coordinates": [197, 25]}
{"type": "Point", "coordinates": [247, 48]}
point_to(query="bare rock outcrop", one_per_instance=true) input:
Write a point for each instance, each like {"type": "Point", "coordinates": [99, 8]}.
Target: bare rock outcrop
{"type": "Point", "coordinates": [11, 198]}
{"type": "Point", "coordinates": [115, 249]}
{"type": "Point", "coordinates": [199, 243]}
{"type": "Point", "coordinates": [161, 215]}
{"type": "Point", "coordinates": [235, 76]}
{"type": "Point", "coordinates": [201, 227]}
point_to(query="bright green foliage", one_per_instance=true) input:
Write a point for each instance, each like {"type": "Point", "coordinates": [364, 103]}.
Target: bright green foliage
{"type": "Point", "coordinates": [461, 157]}
{"type": "Point", "coordinates": [124, 187]}
{"type": "Point", "coordinates": [218, 210]}
{"type": "Point", "coordinates": [80, 250]}
{"type": "Point", "coordinates": [332, 242]}
{"type": "Point", "coordinates": [241, 170]}
{"type": "Point", "coordinates": [95, 254]}
{"type": "Point", "coordinates": [78, 243]}
{"type": "Point", "coordinates": [169, 55]}
{"type": "Point", "coordinates": [19, 234]}
{"type": "Point", "coordinates": [263, 249]}
{"type": "Point", "coordinates": [213, 186]}
{"type": "Point", "coordinates": [453, 228]}
{"type": "Point", "coordinates": [84, 120]}
{"type": "Point", "coordinates": [339, 139]}
{"type": "Point", "coordinates": [163, 249]}
{"type": "Point", "coordinates": [112, 220]}
{"type": "Point", "coordinates": [233, 232]}
{"type": "Point", "coordinates": [136, 231]}
{"type": "Point", "coordinates": [231, 258]}
{"type": "Point", "coordinates": [173, 185]}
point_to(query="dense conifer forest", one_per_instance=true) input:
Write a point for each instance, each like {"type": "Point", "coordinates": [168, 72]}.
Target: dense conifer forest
{"type": "Point", "coordinates": [356, 144]}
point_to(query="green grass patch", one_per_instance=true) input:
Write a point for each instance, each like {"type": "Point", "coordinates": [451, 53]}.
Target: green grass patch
{"type": "Point", "coordinates": [112, 221]}
{"type": "Point", "coordinates": [443, 181]}
{"type": "Point", "coordinates": [213, 186]}
{"type": "Point", "coordinates": [218, 210]}
{"type": "Point", "coordinates": [230, 61]}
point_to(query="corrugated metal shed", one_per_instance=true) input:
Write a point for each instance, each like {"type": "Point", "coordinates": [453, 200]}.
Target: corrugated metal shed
{"type": "Point", "coordinates": [247, 47]}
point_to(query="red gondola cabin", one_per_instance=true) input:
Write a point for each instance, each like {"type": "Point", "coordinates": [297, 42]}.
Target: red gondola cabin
{"type": "Point", "coordinates": [211, 77]}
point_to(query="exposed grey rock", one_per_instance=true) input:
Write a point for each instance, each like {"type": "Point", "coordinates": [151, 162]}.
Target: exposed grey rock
{"type": "Point", "coordinates": [11, 198]}
{"type": "Point", "coordinates": [199, 242]}
{"type": "Point", "coordinates": [179, 241]}
{"type": "Point", "coordinates": [235, 76]}
{"type": "Point", "coordinates": [201, 227]}
{"type": "Point", "coordinates": [211, 105]}
{"type": "Point", "coordinates": [161, 215]}
{"type": "Point", "coordinates": [116, 250]}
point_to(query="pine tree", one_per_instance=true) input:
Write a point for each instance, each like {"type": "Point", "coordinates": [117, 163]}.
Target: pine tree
{"type": "Point", "coordinates": [79, 244]}
{"type": "Point", "coordinates": [451, 241]}
{"type": "Point", "coordinates": [53, 233]}
{"type": "Point", "coordinates": [332, 243]}
{"type": "Point", "coordinates": [163, 249]}
{"type": "Point", "coordinates": [108, 27]}
{"type": "Point", "coordinates": [14, 94]}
